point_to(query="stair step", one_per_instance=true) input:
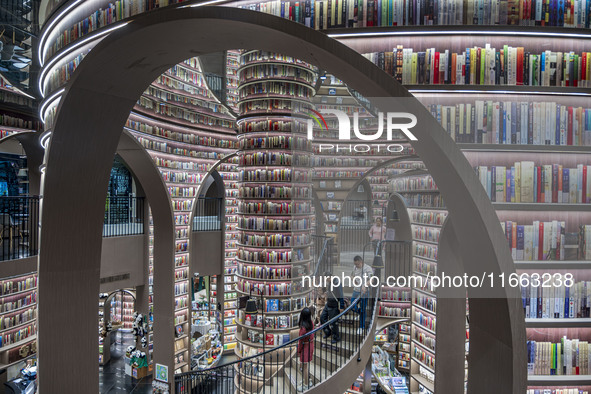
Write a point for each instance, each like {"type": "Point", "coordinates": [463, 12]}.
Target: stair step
{"type": "Point", "coordinates": [319, 373]}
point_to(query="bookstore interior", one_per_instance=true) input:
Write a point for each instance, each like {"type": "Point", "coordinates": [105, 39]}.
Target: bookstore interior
{"type": "Point", "coordinates": [261, 233]}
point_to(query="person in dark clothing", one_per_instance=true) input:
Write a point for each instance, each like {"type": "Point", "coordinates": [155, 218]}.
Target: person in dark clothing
{"type": "Point", "coordinates": [334, 298]}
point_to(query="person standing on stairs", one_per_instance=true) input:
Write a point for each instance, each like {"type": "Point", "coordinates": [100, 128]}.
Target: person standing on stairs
{"type": "Point", "coordinates": [306, 345]}
{"type": "Point", "coordinates": [364, 272]}
{"type": "Point", "coordinates": [331, 310]}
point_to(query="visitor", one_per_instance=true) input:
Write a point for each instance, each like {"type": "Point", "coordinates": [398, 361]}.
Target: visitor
{"type": "Point", "coordinates": [377, 233]}
{"type": "Point", "coordinates": [306, 345]}
{"type": "Point", "coordinates": [364, 272]}
{"type": "Point", "coordinates": [331, 309]}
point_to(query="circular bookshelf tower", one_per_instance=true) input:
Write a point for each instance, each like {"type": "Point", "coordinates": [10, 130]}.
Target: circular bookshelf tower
{"type": "Point", "coordinates": [275, 232]}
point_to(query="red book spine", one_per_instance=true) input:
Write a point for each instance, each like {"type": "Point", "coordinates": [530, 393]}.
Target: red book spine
{"type": "Point", "coordinates": [584, 67]}
{"type": "Point", "coordinates": [541, 241]}
{"type": "Point", "coordinates": [569, 136]}
{"type": "Point", "coordinates": [555, 183]}
{"type": "Point", "coordinates": [436, 69]}
{"type": "Point", "coordinates": [519, 76]}
{"type": "Point", "coordinates": [375, 12]}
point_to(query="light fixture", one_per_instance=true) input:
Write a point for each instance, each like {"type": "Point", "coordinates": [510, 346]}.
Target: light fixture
{"type": "Point", "coordinates": [251, 307]}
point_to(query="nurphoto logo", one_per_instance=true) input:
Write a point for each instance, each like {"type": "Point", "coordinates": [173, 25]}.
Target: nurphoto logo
{"type": "Point", "coordinates": [392, 121]}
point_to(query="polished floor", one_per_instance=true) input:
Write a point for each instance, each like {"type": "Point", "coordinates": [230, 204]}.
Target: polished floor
{"type": "Point", "coordinates": [112, 378]}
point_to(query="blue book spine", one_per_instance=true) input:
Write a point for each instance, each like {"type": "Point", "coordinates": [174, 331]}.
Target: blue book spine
{"type": "Point", "coordinates": [566, 301]}
{"type": "Point", "coordinates": [380, 5]}
{"type": "Point", "coordinates": [512, 195]}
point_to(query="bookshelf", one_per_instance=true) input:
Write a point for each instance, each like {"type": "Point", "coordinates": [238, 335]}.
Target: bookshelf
{"type": "Point", "coordinates": [274, 217]}
{"type": "Point", "coordinates": [18, 317]}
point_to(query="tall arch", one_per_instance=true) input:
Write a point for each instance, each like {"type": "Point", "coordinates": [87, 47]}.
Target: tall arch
{"type": "Point", "coordinates": [109, 81]}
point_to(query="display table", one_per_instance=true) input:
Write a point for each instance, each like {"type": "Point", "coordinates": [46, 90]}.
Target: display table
{"type": "Point", "coordinates": [389, 379]}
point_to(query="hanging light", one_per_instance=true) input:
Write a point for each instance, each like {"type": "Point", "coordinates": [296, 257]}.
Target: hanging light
{"type": "Point", "coordinates": [251, 307]}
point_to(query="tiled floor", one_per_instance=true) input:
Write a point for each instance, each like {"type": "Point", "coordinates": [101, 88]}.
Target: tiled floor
{"type": "Point", "coordinates": [112, 378]}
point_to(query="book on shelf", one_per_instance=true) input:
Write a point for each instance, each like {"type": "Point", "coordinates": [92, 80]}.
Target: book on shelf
{"type": "Point", "coordinates": [524, 182]}
{"type": "Point", "coordinates": [567, 357]}
{"type": "Point", "coordinates": [515, 122]}
{"type": "Point", "coordinates": [556, 301]}
{"type": "Point", "coordinates": [328, 14]}
{"type": "Point", "coordinates": [547, 241]}
{"type": "Point", "coordinates": [513, 66]}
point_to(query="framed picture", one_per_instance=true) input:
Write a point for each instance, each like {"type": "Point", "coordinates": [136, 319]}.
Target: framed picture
{"type": "Point", "coordinates": [161, 373]}
{"type": "Point", "coordinates": [330, 195]}
{"type": "Point", "coordinates": [360, 189]}
{"type": "Point", "coordinates": [338, 184]}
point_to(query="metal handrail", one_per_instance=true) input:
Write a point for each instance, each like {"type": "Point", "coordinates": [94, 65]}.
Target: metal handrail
{"type": "Point", "coordinates": [198, 381]}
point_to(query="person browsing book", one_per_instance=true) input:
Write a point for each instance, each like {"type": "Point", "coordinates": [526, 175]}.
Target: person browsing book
{"type": "Point", "coordinates": [306, 345]}
{"type": "Point", "coordinates": [364, 272]}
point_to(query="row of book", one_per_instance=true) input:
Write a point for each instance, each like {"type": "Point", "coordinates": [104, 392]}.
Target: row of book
{"type": "Point", "coordinates": [18, 335]}
{"type": "Point", "coordinates": [553, 299]}
{"type": "Point", "coordinates": [414, 183]}
{"type": "Point", "coordinates": [270, 339]}
{"type": "Point", "coordinates": [273, 159]}
{"type": "Point", "coordinates": [258, 223]}
{"type": "Point", "coordinates": [12, 98]}
{"type": "Point", "coordinates": [7, 322]}
{"type": "Point", "coordinates": [180, 164]}
{"type": "Point", "coordinates": [419, 200]}
{"type": "Point", "coordinates": [424, 339]}
{"type": "Point", "coordinates": [343, 162]}
{"type": "Point", "coordinates": [425, 267]}
{"type": "Point", "coordinates": [289, 125]}
{"type": "Point", "coordinates": [181, 302]}
{"type": "Point", "coordinates": [547, 241]}
{"type": "Point", "coordinates": [184, 114]}
{"type": "Point", "coordinates": [180, 177]}
{"type": "Point", "coordinates": [527, 183]}
{"type": "Point", "coordinates": [274, 208]}
{"type": "Point", "coordinates": [270, 257]}
{"type": "Point", "coordinates": [275, 240]}
{"type": "Point", "coordinates": [276, 289]}
{"type": "Point", "coordinates": [428, 217]}
{"type": "Point", "coordinates": [175, 149]}
{"type": "Point", "coordinates": [282, 192]}
{"type": "Point", "coordinates": [175, 84]}
{"type": "Point", "coordinates": [17, 285]}
{"type": "Point", "coordinates": [485, 66]}
{"type": "Point", "coordinates": [389, 311]}
{"type": "Point", "coordinates": [425, 301]}
{"type": "Point", "coordinates": [395, 295]}
{"type": "Point", "coordinates": [511, 122]}
{"type": "Point", "coordinates": [327, 14]}
{"type": "Point", "coordinates": [257, 272]}
{"type": "Point", "coordinates": [205, 107]}
{"type": "Point", "coordinates": [423, 320]}
{"type": "Point", "coordinates": [272, 322]}
{"type": "Point", "coordinates": [184, 205]}
{"type": "Point", "coordinates": [181, 288]}
{"type": "Point", "coordinates": [428, 359]}
{"type": "Point", "coordinates": [257, 56]}
{"type": "Point", "coordinates": [422, 233]}
{"type": "Point", "coordinates": [273, 88]}
{"type": "Point", "coordinates": [424, 250]}
{"type": "Point", "coordinates": [274, 70]}
{"type": "Point", "coordinates": [265, 105]}
{"type": "Point", "coordinates": [19, 301]}
{"type": "Point", "coordinates": [568, 357]}
{"type": "Point", "coordinates": [276, 175]}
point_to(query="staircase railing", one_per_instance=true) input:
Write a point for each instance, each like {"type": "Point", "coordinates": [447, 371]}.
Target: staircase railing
{"type": "Point", "coordinates": [281, 370]}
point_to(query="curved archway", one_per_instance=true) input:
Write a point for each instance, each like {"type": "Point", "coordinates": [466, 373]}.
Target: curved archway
{"type": "Point", "coordinates": [112, 77]}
